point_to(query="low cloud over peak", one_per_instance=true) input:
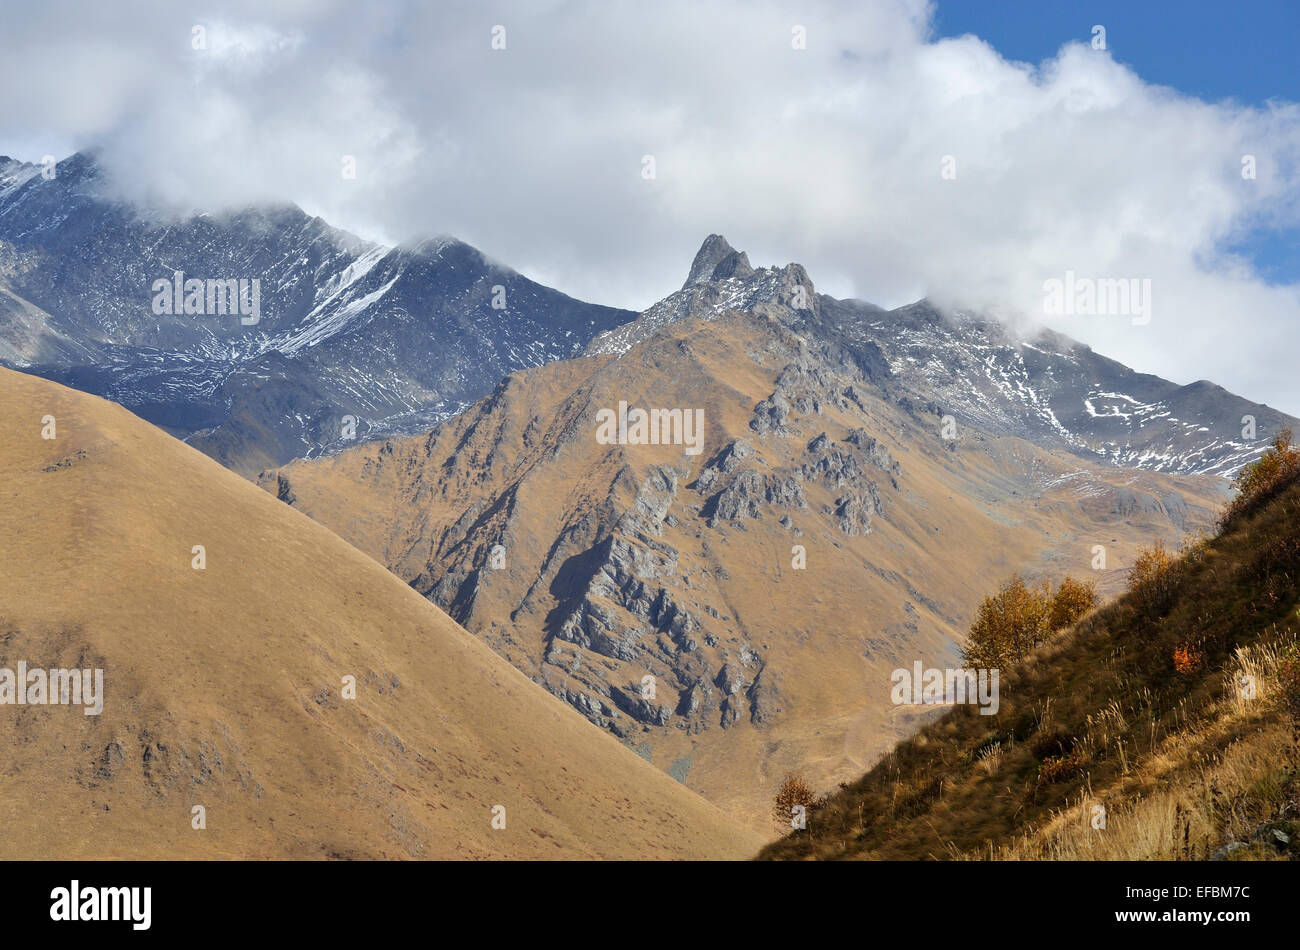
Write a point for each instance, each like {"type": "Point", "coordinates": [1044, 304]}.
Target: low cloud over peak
{"type": "Point", "coordinates": [591, 145]}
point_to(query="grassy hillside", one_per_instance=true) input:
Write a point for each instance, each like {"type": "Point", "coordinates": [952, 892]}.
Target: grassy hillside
{"type": "Point", "coordinates": [223, 687]}
{"type": "Point", "coordinates": [1140, 709]}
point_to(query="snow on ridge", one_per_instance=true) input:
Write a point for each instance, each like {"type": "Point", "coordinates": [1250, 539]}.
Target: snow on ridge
{"type": "Point", "coordinates": [694, 300]}
{"type": "Point", "coordinates": [321, 323]}
{"type": "Point", "coordinates": [351, 274]}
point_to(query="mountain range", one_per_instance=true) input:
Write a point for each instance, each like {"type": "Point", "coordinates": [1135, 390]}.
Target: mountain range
{"type": "Point", "coordinates": [824, 492]}
{"type": "Point", "coordinates": [353, 340]}
{"type": "Point", "coordinates": [356, 340]}
{"type": "Point", "coordinates": [834, 523]}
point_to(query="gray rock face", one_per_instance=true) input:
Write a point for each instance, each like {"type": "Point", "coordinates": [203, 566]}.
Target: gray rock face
{"type": "Point", "coordinates": [770, 415]}
{"type": "Point", "coordinates": [877, 454]}
{"type": "Point", "coordinates": [692, 701]}
{"type": "Point", "coordinates": [593, 707]}
{"type": "Point", "coordinates": [853, 511]}
{"type": "Point", "coordinates": [764, 699]}
{"type": "Point", "coordinates": [717, 260]}
{"type": "Point", "coordinates": [624, 597]}
{"type": "Point", "coordinates": [724, 463]}
{"type": "Point", "coordinates": [734, 266]}
{"type": "Point", "coordinates": [721, 281]}
{"type": "Point", "coordinates": [643, 710]}
{"type": "Point", "coordinates": [628, 598]}
{"type": "Point", "coordinates": [598, 628]}
{"type": "Point", "coordinates": [283, 492]}
{"type": "Point", "coordinates": [730, 679]}
{"type": "Point", "coordinates": [749, 493]}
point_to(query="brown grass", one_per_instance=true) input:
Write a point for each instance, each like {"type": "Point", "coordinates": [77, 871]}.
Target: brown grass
{"type": "Point", "coordinates": [1184, 758]}
{"type": "Point", "coordinates": [223, 688]}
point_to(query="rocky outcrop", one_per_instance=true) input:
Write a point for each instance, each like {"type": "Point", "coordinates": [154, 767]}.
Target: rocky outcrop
{"type": "Point", "coordinates": [724, 463]}
{"type": "Point", "coordinates": [764, 699]}
{"type": "Point", "coordinates": [282, 490]}
{"type": "Point", "coordinates": [630, 700]}
{"type": "Point", "coordinates": [749, 493]}
{"type": "Point", "coordinates": [854, 510]}
{"type": "Point", "coordinates": [876, 454]}
{"type": "Point", "coordinates": [770, 415]}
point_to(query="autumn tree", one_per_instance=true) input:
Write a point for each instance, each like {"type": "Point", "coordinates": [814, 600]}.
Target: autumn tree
{"type": "Point", "coordinates": [1072, 600]}
{"type": "Point", "coordinates": [1008, 625]}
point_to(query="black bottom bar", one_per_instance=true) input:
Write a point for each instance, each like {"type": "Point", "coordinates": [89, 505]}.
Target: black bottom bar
{"type": "Point", "coordinates": [908, 900]}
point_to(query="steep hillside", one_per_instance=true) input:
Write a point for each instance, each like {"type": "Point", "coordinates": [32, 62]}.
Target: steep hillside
{"type": "Point", "coordinates": [1165, 725]}
{"type": "Point", "coordinates": [395, 338]}
{"type": "Point", "coordinates": [822, 532]}
{"type": "Point", "coordinates": [223, 687]}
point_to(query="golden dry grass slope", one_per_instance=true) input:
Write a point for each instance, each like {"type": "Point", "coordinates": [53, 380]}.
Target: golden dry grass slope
{"type": "Point", "coordinates": [223, 686]}
{"type": "Point", "coordinates": [618, 562]}
{"type": "Point", "coordinates": [1163, 726]}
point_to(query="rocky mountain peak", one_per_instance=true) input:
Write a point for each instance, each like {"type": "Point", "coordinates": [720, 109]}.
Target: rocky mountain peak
{"type": "Point", "coordinates": [717, 260]}
{"type": "Point", "coordinates": [395, 338]}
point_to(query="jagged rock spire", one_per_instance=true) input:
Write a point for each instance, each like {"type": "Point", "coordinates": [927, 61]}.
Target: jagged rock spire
{"type": "Point", "coordinates": [717, 260]}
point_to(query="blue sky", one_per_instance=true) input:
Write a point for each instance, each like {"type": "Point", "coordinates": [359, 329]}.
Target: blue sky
{"type": "Point", "coordinates": [1245, 50]}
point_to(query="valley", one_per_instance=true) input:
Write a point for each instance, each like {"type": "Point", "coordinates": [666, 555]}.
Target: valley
{"type": "Point", "coordinates": [226, 728]}
{"type": "Point", "coordinates": [826, 534]}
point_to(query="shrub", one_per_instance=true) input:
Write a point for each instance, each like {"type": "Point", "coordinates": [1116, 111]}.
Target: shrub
{"type": "Point", "coordinates": [990, 759]}
{"type": "Point", "coordinates": [1187, 659]}
{"type": "Point", "coordinates": [1054, 745]}
{"type": "Point", "coordinates": [1058, 768]}
{"type": "Point", "coordinates": [1073, 599]}
{"type": "Point", "coordinates": [794, 791]}
{"type": "Point", "coordinates": [1153, 579]}
{"type": "Point", "coordinates": [1276, 572]}
{"type": "Point", "coordinates": [1008, 625]}
{"type": "Point", "coordinates": [1263, 478]}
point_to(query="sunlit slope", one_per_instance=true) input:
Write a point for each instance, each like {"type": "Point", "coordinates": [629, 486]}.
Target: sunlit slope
{"type": "Point", "coordinates": [1163, 726]}
{"type": "Point", "coordinates": [223, 686]}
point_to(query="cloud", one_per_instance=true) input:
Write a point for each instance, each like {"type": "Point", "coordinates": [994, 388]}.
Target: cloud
{"type": "Point", "coordinates": [830, 155]}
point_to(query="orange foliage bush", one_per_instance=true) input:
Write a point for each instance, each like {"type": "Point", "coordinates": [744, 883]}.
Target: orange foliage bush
{"type": "Point", "coordinates": [1018, 617]}
{"type": "Point", "coordinates": [1187, 659]}
{"type": "Point", "coordinates": [1058, 768]}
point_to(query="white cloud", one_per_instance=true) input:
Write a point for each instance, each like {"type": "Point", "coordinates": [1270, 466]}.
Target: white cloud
{"type": "Point", "coordinates": [829, 155]}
